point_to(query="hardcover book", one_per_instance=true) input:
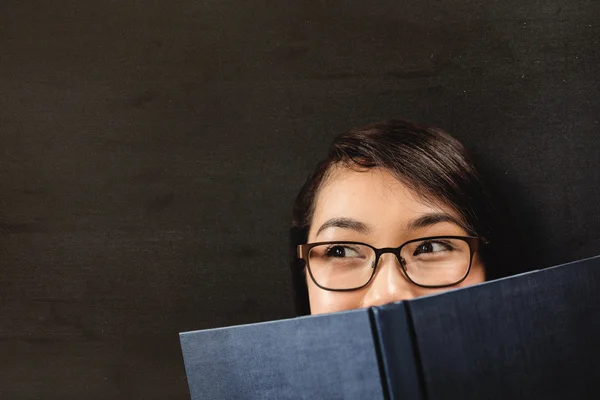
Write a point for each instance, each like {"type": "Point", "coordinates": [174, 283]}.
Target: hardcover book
{"type": "Point", "coordinates": [534, 335]}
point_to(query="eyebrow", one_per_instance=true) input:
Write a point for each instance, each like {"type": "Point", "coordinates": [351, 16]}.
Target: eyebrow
{"type": "Point", "coordinates": [432, 219]}
{"type": "Point", "coordinates": [423, 221]}
{"type": "Point", "coordinates": [345, 223]}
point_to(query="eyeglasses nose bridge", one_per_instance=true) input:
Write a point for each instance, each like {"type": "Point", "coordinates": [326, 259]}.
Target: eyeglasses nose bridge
{"type": "Point", "coordinates": [395, 251]}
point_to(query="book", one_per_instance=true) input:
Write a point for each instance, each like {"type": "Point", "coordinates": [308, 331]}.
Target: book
{"type": "Point", "coordinates": [534, 335]}
{"type": "Point", "coordinates": [326, 356]}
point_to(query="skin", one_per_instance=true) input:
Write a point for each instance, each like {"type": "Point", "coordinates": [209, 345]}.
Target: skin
{"type": "Point", "coordinates": [388, 210]}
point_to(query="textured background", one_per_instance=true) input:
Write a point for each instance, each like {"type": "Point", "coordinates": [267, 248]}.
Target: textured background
{"type": "Point", "coordinates": [150, 152]}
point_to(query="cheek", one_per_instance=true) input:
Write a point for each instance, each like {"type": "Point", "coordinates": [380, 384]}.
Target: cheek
{"type": "Point", "coordinates": [325, 301]}
{"type": "Point", "coordinates": [476, 274]}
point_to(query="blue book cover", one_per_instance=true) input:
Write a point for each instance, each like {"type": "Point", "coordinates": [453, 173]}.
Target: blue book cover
{"type": "Point", "coordinates": [531, 336]}
{"type": "Point", "coordinates": [535, 335]}
{"type": "Point", "coordinates": [320, 357]}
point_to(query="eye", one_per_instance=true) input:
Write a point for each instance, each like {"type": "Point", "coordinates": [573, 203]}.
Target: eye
{"type": "Point", "coordinates": [431, 247]}
{"type": "Point", "coordinates": [341, 251]}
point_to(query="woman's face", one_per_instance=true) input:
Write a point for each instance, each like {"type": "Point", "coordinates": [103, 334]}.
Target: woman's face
{"type": "Point", "coordinates": [385, 210]}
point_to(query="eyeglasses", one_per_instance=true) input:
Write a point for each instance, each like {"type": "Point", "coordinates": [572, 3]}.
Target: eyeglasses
{"type": "Point", "coordinates": [431, 262]}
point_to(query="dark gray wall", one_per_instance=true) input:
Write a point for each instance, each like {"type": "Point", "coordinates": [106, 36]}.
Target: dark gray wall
{"type": "Point", "coordinates": [150, 152]}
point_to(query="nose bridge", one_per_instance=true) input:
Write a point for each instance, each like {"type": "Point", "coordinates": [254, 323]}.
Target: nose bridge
{"type": "Point", "coordinates": [393, 250]}
{"type": "Point", "coordinates": [389, 283]}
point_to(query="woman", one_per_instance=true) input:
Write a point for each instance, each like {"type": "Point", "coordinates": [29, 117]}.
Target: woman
{"type": "Point", "coordinates": [396, 211]}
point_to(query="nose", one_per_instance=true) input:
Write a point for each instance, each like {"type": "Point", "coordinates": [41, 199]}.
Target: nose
{"type": "Point", "coordinates": [389, 283]}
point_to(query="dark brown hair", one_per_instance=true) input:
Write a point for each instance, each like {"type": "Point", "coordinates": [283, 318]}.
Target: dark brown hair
{"type": "Point", "coordinates": [427, 160]}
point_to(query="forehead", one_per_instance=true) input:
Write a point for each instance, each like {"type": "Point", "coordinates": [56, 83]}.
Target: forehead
{"type": "Point", "coordinates": [375, 197]}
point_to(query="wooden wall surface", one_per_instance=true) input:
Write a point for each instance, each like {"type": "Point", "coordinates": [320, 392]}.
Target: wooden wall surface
{"type": "Point", "coordinates": [150, 153]}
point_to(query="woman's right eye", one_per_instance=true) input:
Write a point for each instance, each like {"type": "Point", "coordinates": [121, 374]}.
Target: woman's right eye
{"type": "Point", "coordinates": [341, 252]}
{"type": "Point", "coordinates": [336, 251]}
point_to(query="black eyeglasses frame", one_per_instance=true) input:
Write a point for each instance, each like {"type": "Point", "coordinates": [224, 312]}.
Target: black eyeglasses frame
{"type": "Point", "coordinates": [473, 242]}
